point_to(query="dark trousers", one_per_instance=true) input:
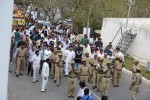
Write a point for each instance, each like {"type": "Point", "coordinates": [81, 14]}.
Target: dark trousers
{"type": "Point", "coordinates": [30, 69]}
{"type": "Point", "coordinates": [42, 61]}
{"type": "Point", "coordinates": [11, 55]}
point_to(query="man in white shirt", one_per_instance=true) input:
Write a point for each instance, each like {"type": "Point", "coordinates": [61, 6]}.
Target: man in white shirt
{"type": "Point", "coordinates": [118, 53]}
{"type": "Point", "coordinates": [47, 53]}
{"type": "Point", "coordinates": [70, 55]}
{"type": "Point", "coordinates": [36, 65]}
{"type": "Point", "coordinates": [31, 54]}
{"type": "Point", "coordinates": [86, 49]}
{"type": "Point", "coordinates": [45, 75]}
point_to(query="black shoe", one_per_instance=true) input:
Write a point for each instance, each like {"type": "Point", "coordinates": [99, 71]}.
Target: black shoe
{"type": "Point", "coordinates": [72, 96]}
{"type": "Point", "coordinates": [21, 74]}
{"type": "Point", "coordinates": [97, 90]}
{"type": "Point", "coordinates": [33, 82]}
{"type": "Point", "coordinates": [54, 81]}
{"type": "Point", "coordinates": [17, 75]}
{"type": "Point", "coordinates": [57, 85]}
{"type": "Point", "coordinates": [115, 86]}
{"type": "Point", "coordinates": [37, 81]}
{"type": "Point", "coordinates": [66, 75]}
{"type": "Point", "coordinates": [94, 87]}
{"type": "Point", "coordinates": [69, 96]}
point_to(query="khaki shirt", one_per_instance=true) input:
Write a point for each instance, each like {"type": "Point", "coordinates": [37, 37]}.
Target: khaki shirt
{"type": "Point", "coordinates": [84, 70]}
{"type": "Point", "coordinates": [61, 62]}
{"type": "Point", "coordinates": [105, 61]}
{"type": "Point", "coordinates": [72, 74]}
{"type": "Point", "coordinates": [21, 52]}
{"type": "Point", "coordinates": [118, 65]}
{"type": "Point", "coordinates": [137, 79]}
{"type": "Point", "coordinates": [106, 73]}
{"type": "Point", "coordinates": [94, 62]}
{"type": "Point", "coordinates": [100, 68]}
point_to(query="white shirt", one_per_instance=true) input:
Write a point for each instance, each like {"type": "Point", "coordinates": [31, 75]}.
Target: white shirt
{"type": "Point", "coordinates": [87, 49]}
{"type": "Point", "coordinates": [36, 60]}
{"type": "Point", "coordinates": [101, 55]}
{"type": "Point", "coordinates": [31, 54]}
{"type": "Point", "coordinates": [92, 55]}
{"type": "Point", "coordinates": [28, 32]}
{"type": "Point", "coordinates": [45, 69]}
{"type": "Point", "coordinates": [47, 54]}
{"type": "Point", "coordinates": [70, 56]}
{"type": "Point", "coordinates": [46, 40]}
{"type": "Point", "coordinates": [120, 54]}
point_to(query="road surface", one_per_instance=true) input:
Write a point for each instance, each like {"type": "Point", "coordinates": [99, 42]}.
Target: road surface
{"type": "Point", "coordinates": [22, 88]}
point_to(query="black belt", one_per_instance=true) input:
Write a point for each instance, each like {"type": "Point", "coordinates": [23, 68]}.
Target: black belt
{"type": "Point", "coordinates": [100, 73]}
{"type": "Point", "coordinates": [84, 75]}
{"type": "Point", "coordinates": [21, 56]}
{"type": "Point", "coordinates": [107, 77]}
{"type": "Point", "coordinates": [71, 77]}
{"type": "Point", "coordinates": [118, 69]}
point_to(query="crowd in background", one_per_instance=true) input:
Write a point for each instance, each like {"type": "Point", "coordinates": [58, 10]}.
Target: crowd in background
{"type": "Point", "coordinates": [51, 51]}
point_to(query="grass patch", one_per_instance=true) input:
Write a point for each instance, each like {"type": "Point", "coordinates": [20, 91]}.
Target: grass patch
{"type": "Point", "coordinates": [129, 63]}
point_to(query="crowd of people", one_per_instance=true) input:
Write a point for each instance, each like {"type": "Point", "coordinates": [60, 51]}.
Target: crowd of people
{"type": "Point", "coordinates": [58, 50]}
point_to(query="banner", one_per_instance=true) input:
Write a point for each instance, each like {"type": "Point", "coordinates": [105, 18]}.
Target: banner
{"type": "Point", "coordinates": [17, 21]}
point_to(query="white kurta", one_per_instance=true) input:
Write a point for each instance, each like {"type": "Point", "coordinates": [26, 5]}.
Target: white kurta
{"type": "Point", "coordinates": [47, 54]}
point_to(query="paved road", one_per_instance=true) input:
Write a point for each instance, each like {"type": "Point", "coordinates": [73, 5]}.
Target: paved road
{"type": "Point", "coordinates": [22, 88]}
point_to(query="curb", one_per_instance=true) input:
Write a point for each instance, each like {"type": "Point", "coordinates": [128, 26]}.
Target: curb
{"type": "Point", "coordinates": [144, 80]}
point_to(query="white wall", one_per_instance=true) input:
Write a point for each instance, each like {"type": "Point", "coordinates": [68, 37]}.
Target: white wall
{"type": "Point", "coordinates": [140, 47]}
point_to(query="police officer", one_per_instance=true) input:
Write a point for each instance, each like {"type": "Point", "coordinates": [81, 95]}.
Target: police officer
{"type": "Point", "coordinates": [72, 80]}
{"type": "Point", "coordinates": [99, 69]}
{"type": "Point", "coordinates": [117, 71]}
{"type": "Point", "coordinates": [106, 79]}
{"type": "Point", "coordinates": [84, 71]}
{"type": "Point", "coordinates": [59, 68]}
{"type": "Point", "coordinates": [94, 63]}
{"type": "Point", "coordinates": [21, 54]}
{"type": "Point", "coordinates": [136, 81]}
{"type": "Point", "coordinates": [134, 67]}
{"type": "Point", "coordinates": [52, 73]}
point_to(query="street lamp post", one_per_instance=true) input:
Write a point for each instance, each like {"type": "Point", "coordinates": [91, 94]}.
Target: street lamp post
{"type": "Point", "coordinates": [130, 3]}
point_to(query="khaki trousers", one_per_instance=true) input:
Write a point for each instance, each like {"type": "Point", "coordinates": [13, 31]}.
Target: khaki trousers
{"type": "Point", "coordinates": [117, 77]}
{"type": "Point", "coordinates": [94, 77]}
{"type": "Point", "coordinates": [71, 86]}
{"type": "Point", "coordinates": [20, 64]}
{"type": "Point", "coordinates": [99, 79]}
{"type": "Point", "coordinates": [91, 71]}
{"type": "Point", "coordinates": [105, 86]}
{"type": "Point", "coordinates": [58, 74]}
{"type": "Point", "coordinates": [134, 91]}
{"type": "Point", "coordinates": [52, 73]}
{"type": "Point", "coordinates": [84, 79]}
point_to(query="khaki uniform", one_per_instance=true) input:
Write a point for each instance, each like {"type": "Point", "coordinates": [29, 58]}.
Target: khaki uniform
{"type": "Point", "coordinates": [99, 75]}
{"type": "Point", "coordinates": [84, 71]}
{"type": "Point", "coordinates": [105, 60]}
{"type": "Point", "coordinates": [21, 60]}
{"type": "Point", "coordinates": [94, 71]}
{"type": "Point", "coordinates": [105, 80]}
{"type": "Point", "coordinates": [117, 72]}
{"type": "Point", "coordinates": [52, 73]}
{"type": "Point", "coordinates": [134, 67]}
{"type": "Point", "coordinates": [89, 65]}
{"type": "Point", "coordinates": [137, 79]}
{"type": "Point", "coordinates": [59, 69]}
{"type": "Point", "coordinates": [71, 81]}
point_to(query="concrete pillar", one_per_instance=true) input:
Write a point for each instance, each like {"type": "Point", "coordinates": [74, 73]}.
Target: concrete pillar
{"type": "Point", "coordinates": [6, 11]}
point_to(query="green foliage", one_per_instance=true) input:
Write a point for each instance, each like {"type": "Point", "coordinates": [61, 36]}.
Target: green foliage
{"type": "Point", "coordinates": [129, 63]}
{"type": "Point", "coordinates": [78, 10]}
